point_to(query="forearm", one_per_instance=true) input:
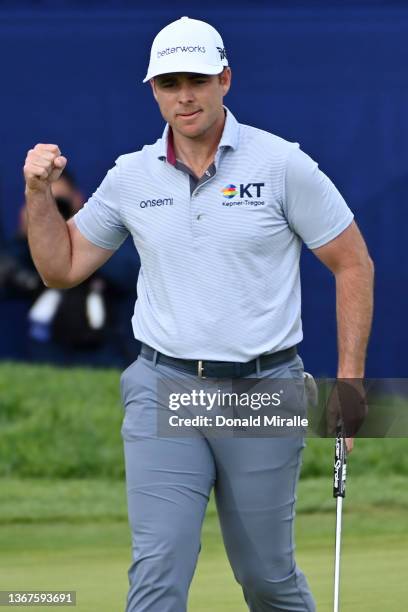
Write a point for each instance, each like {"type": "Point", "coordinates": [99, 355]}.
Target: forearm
{"type": "Point", "coordinates": [48, 237]}
{"type": "Point", "coordinates": [354, 306]}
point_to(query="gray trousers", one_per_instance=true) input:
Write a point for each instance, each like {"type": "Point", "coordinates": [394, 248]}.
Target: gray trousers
{"type": "Point", "coordinates": [169, 480]}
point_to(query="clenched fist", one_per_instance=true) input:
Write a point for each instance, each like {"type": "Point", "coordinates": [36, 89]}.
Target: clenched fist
{"type": "Point", "coordinates": [43, 166]}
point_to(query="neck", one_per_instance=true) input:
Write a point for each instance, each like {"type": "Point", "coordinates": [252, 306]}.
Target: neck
{"type": "Point", "coordinates": [199, 152]}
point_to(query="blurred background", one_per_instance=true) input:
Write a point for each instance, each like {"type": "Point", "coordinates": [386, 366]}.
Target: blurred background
{"type": "Point", "coordinates": [331, 75]}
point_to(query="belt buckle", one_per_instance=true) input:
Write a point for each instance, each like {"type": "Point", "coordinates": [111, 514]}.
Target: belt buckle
{"type": "Point", "coordinates": [200, 369]}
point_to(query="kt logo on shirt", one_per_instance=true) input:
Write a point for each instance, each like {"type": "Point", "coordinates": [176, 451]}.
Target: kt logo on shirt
{"type": "Point", "coordinates": [249, 190]}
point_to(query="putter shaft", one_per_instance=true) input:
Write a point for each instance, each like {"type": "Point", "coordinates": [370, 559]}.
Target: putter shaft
{"type": "Point", "coordinates": [339, 492]}
{"type": "Point", "coordinates": [337, 554]}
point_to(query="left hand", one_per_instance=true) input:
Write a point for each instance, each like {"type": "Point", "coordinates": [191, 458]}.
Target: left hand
{"type": "Point", "coordinates": [347, 402]}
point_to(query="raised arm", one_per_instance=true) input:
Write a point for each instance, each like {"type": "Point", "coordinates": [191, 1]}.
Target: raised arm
{"type": "Point", "coordinates": [62, 255]}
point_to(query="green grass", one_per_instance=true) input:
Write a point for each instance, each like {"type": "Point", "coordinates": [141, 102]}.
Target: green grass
{"type": "Point", "coordinates": [76, 501]}
{"type": "Point", "coordinates": [92, 559]}
{"type": "Point", "coordinates": [53, 536]}
{"type": "Point", "coordinates": [63, 518]}
{"type": "Point", "coordinates": [65, 423]}
{"type": "Point", "coordinates": [60, 423]}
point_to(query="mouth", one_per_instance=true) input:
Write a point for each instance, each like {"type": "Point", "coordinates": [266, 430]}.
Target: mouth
{"type": "Point", "coordinates": [189, 115]}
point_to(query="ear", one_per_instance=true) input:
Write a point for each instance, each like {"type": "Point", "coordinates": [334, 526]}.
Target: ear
{"type": "Point", "coordinates": [225, 79]}
{"type": "Point", "coordinates": [153, 86]}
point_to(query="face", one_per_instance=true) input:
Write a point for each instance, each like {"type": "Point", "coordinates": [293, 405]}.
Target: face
{"type": "Point", "coordinates": [191, 103]}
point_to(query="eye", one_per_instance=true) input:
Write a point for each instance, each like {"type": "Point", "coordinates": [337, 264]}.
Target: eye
{"type": "Point", "coordinates": [166, 83]}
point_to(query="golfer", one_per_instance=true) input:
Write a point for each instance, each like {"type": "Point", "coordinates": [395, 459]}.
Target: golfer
{"type": "Point", "coordinates": [218, 211]}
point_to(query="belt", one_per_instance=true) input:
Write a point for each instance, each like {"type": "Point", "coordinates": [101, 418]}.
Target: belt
{"type": "Point", "coordinates": [219, 369]}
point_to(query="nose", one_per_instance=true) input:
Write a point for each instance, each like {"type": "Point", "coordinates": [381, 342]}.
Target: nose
{"type": "Point", "coordinates": [186, 93]}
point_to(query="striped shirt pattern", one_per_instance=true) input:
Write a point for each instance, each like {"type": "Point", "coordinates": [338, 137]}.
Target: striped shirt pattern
{"type": "Point", "coordinates": [219, 277]}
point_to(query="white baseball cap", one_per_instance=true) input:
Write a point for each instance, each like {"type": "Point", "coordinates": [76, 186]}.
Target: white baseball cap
{"type": "Point", "coordinates": [187, 45]}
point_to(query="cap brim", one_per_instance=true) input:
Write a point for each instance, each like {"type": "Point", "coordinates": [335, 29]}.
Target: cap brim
{"type": "Point", "coordinates": [193, 68]}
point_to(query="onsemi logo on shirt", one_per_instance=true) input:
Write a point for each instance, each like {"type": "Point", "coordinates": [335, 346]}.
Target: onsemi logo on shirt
{"type": "Point", "coordinates": [157, 202]}
{"type": "Point", "coordinates": [249, 190]}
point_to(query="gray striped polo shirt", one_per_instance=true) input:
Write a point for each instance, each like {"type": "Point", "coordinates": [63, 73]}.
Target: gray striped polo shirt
{"type": "Point", "coordinates": [219, 275]}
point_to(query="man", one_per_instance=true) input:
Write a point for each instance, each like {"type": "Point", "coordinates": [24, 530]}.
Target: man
{"type": "Point", "coordinates": [217, 211]}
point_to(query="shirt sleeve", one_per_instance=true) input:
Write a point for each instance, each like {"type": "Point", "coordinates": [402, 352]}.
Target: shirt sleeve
{"type": "Point", "coordinates": [99, 219]}
{"type": "Point", "coordinates": [314, 208]}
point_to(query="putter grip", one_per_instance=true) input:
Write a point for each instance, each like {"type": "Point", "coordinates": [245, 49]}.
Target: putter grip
{"type": "Point", "coordinates": [339, 476]}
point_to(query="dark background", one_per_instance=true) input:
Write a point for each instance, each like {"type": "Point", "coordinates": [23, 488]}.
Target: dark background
{"type": "Point", "coordinates": [329, 75]}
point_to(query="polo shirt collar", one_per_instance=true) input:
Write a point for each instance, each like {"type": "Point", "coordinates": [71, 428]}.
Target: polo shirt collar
{"type": "Point", "coordinates": [229, 138]}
